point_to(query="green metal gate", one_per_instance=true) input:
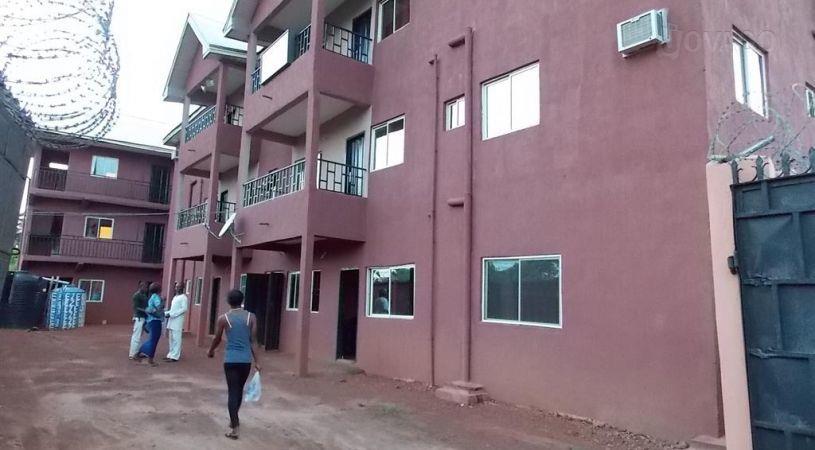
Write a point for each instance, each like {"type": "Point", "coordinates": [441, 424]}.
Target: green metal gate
{"type": "Point", "coordinates": [775, 255]}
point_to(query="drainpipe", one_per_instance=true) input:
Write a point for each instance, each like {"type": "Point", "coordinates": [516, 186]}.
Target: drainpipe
{"type": "Point", "coordinates": [434, 253]}
{"type": "Point", "coordinates": [468, 209]}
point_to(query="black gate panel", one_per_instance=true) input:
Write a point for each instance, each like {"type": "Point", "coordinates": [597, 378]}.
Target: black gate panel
{"type": "Point", "coordinates": [775, 247]}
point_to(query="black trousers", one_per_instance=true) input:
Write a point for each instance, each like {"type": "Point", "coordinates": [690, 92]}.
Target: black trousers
{"type": "Point", "coordinates": [236, 375]}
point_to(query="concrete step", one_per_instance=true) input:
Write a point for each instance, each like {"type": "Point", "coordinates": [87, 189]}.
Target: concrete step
{"type": "Point", "coordinates": [462, 392]}
{"type": "Point", "coordinates": [707, 443]}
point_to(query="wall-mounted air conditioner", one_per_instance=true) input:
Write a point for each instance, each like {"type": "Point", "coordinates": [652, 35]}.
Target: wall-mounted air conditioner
{"type": "Point", "coordinates": [645, 30]}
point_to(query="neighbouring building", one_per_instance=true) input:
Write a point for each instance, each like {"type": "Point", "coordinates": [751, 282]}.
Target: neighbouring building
{"type": "Point", "coordinates": [15, 151]}
{"type": "Point", "coordinates": [97, 216]}
{"type": "Point", "coordinates": [476, 193]}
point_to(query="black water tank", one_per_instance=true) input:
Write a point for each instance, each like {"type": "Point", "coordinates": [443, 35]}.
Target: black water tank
{"type": "Point", "coordinates": [26, 302]}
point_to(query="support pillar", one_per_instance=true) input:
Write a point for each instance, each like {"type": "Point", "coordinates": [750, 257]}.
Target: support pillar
{"type": "Point", "coordinates": [206, 298]}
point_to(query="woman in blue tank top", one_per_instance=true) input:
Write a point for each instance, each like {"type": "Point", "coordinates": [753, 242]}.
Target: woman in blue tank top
{"type": "Point", "coordinates": [240, 326]}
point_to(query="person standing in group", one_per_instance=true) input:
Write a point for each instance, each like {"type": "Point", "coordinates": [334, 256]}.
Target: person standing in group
{"type": "Point", "coordinates": [139, 304]}
{"type": "Point", "coordinates": [175, 322]}
{"type": "Point", "coordinates": [155, 315]}
{"type": "Point", "coordinates": [240, 326]}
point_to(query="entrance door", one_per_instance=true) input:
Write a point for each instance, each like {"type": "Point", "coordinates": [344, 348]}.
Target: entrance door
{"type": "Point", "coordinates": [255, 300]}
{"type": "Point", "coordinates": [213, 304]}
{"type": "Point", "coordinates": [160, 184]}
{"type": "Point", "coordinates": [274, 310]}
{"type": "Point", "coordinates": [361, 45]}
{"type": "Point", "coordinates": [774, 225]}
{"type": "Point", "coordinates": [347, 320]}
{"type": "Point", "coordinates": [354, 148]}
{"type": "Point", "coordinates": [153, 249]}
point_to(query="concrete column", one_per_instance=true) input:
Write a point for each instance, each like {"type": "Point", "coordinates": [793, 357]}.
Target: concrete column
{"type": "Point", "coordinates": [169, 279]}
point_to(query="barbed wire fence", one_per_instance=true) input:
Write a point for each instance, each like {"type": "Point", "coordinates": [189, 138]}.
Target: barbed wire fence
{"type": "Point", "coordinates": [781, 140]}
{"type": "Point", "coordinates": [60, 63]}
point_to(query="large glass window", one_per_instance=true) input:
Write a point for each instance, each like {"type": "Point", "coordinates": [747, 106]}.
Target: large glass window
{"type": "Point", "coordinates": [391, 291]}
{"type": "Point", "coordinates": [750, 74]}
{"type": "Point", "coordinates": [103, 166]}
{"type": "Point", "coordinates": [522, 290]}
{"type": "Point", "coordinates": [393, 15]}
{"type": "Point", "coordinates": [511, 102]}
{"type": "Point", "coordinates": [98, 228]}
{"type": "Point", "coordinates": [294, 291]}
{"type": "Point", "coordinates": [388, 146]}
{"type": "Point", "coordinates": [94, 290]}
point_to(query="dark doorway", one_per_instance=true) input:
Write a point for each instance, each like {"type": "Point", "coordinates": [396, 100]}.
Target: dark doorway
{"type": "Point", "coordinates": [160, 184]}
{"type": "Point", "coordinates": [354, 164]}
{"type": "Point", "coordinates": [274, 310]}
{"type": "Point", "coordinates": [255, 295]}
{"type": "Point", "coordinates": [347, 319]}
{"type": "Point", "coordinates": [153, 249]}
{"type": "Point", "coordinates": [213, 304]}
{"type": "Point", "coordinates": [361, 45]}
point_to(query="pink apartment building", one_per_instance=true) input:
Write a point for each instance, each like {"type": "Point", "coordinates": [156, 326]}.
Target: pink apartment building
{"type": "Point", "coordinates": [97, 217]}
{"type": "Point", "coordinates": [474, 194]}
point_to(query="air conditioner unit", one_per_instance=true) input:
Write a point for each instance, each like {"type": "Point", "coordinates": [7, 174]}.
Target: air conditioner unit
{"type": "Point", "coordinates": [643, 31]}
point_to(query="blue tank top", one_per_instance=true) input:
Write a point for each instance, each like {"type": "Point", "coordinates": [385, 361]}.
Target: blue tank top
{"type": "Point", "coordinates": [238, 337]}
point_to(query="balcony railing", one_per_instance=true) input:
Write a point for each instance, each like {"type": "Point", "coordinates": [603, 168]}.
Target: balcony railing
{"type": "Point", "coordinates": [197, 214]}
{"type": "Point", "coordinates": [274, 184]}
{"type": "Point", "coordinates": [347, 43]}
{"type": "Point", "coordinates": [281, 56]}
{"type": "Point", "coordinates": [82, 247]}
{"type": "Point", "coordinates": [335, 177]}
{"type": "Point", "coordinates": [331, 176]}
{"type": "Point", "coordinates": [189, 217]}
{"type": "Point", "coordinates": [199, 124]}
{"type": "Point", "coordinates": [85, 183]}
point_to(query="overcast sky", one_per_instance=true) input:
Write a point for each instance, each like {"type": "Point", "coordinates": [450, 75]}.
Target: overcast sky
{"type": "Point", "coordinates": [147, 33]}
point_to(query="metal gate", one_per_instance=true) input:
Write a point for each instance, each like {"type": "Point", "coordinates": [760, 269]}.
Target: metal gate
{"type": "Point", "coordinates": [775, 255]}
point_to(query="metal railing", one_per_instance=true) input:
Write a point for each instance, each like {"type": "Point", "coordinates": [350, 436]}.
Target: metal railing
{"type": "Point", "coordinates": [274, 184]}
{"type": "Point", "coordinates": [336, 177]}
{"type": "Point", "coordinates": [302, 42]}
{"type": "Point", "coordinates": [256, 78]}
{"type": "Point", "coordinates": [224, 210]}
{"type": "Point", "coordinates": [82, 247]}
{"type": "Point", "coordinates": [347, 43]}
{"type": "Point", "coordinates": [199, 124]}
{"type": "Point", "coordinates": [233, 115]}
{"type": "Point", "coordinates": [192, 216]}
{"type": "Point", "coordinates": [85, 183]}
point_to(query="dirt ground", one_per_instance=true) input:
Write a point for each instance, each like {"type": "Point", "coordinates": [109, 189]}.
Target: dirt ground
{"type": "Point", "coordinates": [77, 390]}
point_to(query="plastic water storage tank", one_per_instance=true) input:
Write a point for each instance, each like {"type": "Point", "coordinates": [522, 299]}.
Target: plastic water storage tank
{"type": "Point", "coordinates": [26, 302]}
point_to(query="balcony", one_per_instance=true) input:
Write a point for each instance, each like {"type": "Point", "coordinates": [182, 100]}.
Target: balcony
{"type": "Point", "coordinates": [285, 73]}
{"type": "Point", "coordinates": [94, 251]}
{"type": "Point", "coordinates": [274, 205]}
{"type": "Point", "coordinates": [201, 138]}
{"type": "Point", "coordinates": [84, 186]}
{"type": "Point", "coordinates": [191, 241]}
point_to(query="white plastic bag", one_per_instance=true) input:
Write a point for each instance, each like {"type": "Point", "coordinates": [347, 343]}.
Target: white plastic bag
{"type": "Point", "coordinates": [253, 389]}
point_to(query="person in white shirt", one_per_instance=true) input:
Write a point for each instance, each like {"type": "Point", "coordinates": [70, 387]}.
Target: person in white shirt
{"type": "Point", "coordinates": [175, 322]}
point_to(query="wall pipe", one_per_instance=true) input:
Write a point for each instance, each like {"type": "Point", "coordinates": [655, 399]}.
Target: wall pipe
{"type": "Point", "coordinates": [468, 210]}
{"type": "Point", "coordinates": [433, 210]}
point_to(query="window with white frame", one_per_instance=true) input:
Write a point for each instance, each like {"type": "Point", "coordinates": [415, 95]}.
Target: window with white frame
{"type": "Point", "coordinates": [522, 290]}
{"type": "Point", "coordinates": [511, 102]}
{"type": "Point", "coordinates": [293, 298]}
{"type": "Point", "coordinates": [199, 290]}
{"type": "Point", "coordinates": [454, 111]}
{"type": "Point", "coordinates": [388, 146]}
{"type": "Point", "coordinates": [391, 291]}
{"type": "Point", "coordinates": [810, 95]}
{"type": "Point", "coordinates": [104, 166]}
{"type": "Point", "coordinates": [393, 15]}
{"type": "Point", "coordinates": [749, 69]}
{"type": "Point", "coordinates": [315, 291]}
{"type": "Point", "coordinates": [94, 290]}
{"type": "Point", "coordinates": [188, 288]}
{"type": "Point", "coordinates": [98, 227]}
